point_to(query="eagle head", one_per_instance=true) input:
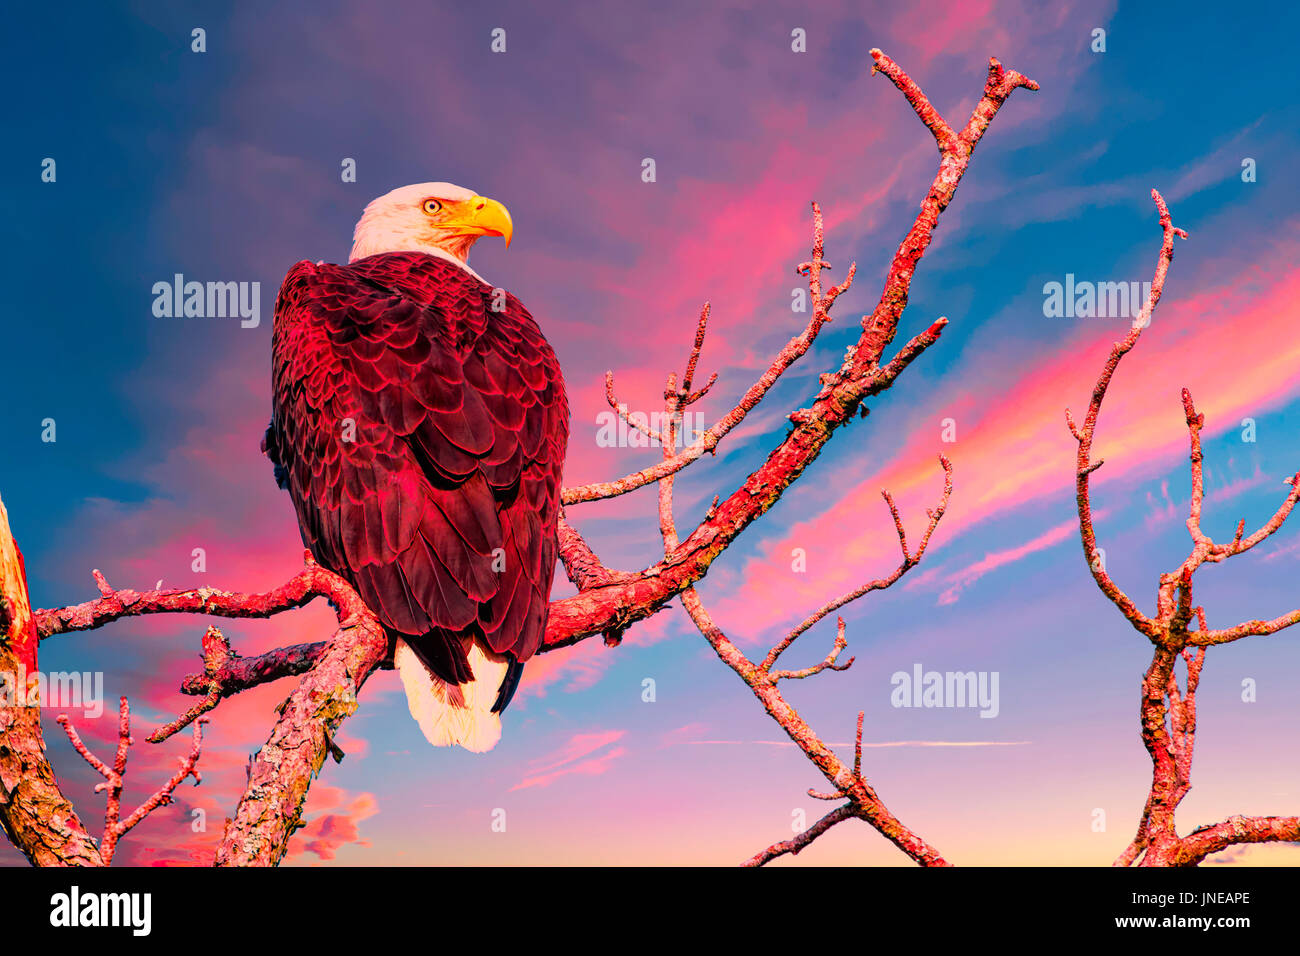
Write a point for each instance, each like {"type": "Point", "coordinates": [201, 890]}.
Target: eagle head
{"type": "Point", "coordinates": [441, 219]}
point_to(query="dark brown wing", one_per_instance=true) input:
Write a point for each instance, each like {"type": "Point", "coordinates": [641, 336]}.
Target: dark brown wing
{"type": "Point", "coordinates": [422, 435]}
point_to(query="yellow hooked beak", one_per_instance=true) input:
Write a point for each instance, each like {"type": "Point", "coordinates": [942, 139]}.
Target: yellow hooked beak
{"type": "Point", "coordinates": [480, 216]}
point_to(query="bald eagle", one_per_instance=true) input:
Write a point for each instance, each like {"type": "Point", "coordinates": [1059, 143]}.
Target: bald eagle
{"type": "Point", "coordinates": [419, 423]}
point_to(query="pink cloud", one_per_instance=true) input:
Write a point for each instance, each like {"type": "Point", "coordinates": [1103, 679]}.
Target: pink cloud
{"type": "Point", "coordinates": [1013, 445]}
{"type": "Point", "coordinates": [572, 758]}
{"type": "Point", "coordinates": [327, 833]}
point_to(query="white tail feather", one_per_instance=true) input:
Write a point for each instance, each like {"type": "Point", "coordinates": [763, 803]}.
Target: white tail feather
{"type": "Point", "coordinates": [454, 714]}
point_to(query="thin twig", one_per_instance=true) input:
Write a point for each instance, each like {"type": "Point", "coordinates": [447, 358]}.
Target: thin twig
{"type": "Point", "coordinates": [114, 826]}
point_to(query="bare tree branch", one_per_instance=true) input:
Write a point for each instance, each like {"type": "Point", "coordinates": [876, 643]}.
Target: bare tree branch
{"type": "Point", "coordinates": [1084, 435]}
{"type": "Point", "coordinates": [1168, 711]}
{"type": "Point", "coordinates": [793, 351]}
{"type": "Point", "coordinates": [226, 673]}
{"type": "Point", "coordinates": [860, 376]}
{"type": "Point", "coordinates": [909, 561]}
{"type": "Point", "coordinates": [34, 814]}
{"type": "Point", "coordinates": [795, 844]}
{"type": "Point", "coordinates": [303, 588]}
{"type": "Point", "coordinates": [281, 772]}
{"type": "Point", "coordinates": [114, 826]}
{"type": "Point", "coordinates": [1200, 843]}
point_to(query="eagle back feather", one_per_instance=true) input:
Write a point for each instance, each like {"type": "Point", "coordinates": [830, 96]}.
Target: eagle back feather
{"type": "Point", "coordinates": [421, 435]}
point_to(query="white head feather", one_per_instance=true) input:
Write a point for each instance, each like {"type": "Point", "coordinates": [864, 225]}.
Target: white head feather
{"type": "Point", "coordinates": [397, 222]}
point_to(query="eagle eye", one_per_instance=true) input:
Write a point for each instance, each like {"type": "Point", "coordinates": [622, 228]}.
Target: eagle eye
{"type": "Point", "coordinates": [432, 207]}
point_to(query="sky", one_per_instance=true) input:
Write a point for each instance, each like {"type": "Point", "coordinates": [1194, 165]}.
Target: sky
{"type": "Point", "coordinates": [226, 165]}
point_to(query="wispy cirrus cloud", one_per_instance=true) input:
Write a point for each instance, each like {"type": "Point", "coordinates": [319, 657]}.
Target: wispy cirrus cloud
{"type": "Point", "coordinates": [581, 755]}
{"type": "Point", "coordinates": [960, 580]}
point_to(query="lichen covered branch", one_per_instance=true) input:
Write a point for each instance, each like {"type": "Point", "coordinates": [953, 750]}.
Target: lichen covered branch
{"type": "Point", "coordinates": [226, 672]}
{"type": "Point", "coordinates": [281, 773]}
{"type": "Point", "coordinates": [114, 826]}
{"type": "Point", "coordinates": [34, 814]}
{"type": "Point", "coordinates": [1168, 711]}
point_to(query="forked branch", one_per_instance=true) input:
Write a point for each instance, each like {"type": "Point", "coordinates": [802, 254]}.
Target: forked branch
{"type": "Point", "coordinates": [114, 826]}
{"type": "Point", "coordinates": [860, 376]}
{"type": "Point", "coordinates": [1168, 711]}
